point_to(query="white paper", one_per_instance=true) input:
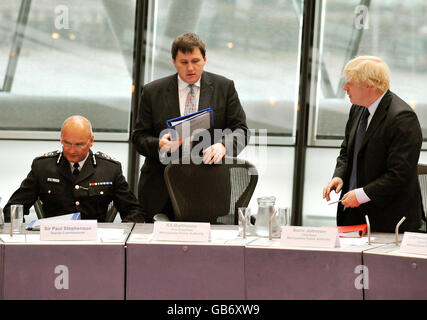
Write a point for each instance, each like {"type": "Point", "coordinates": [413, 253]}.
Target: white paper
{"type": "Point", "coordinates": [224, 234]}
{"type": "Point", "coordinates": [16, 238]}
{"type": "Point", "coordinates": [35, 225]}
{"type": "Point", "coordinates": [112, 235]}
{"type": "Point", "coordinates": [144, 237]}
{"type": "Point", "coordinates": [414, 243]}
{"type": "Point", "coordinates": [355, 241]}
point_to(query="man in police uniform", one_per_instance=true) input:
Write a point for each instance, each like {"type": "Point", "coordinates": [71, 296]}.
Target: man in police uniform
{"type": "Point", "coordinates": [76, 180]}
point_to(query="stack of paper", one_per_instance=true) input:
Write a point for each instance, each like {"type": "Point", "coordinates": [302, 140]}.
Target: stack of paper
{"type": "Point", "coordinates": [35, 225]}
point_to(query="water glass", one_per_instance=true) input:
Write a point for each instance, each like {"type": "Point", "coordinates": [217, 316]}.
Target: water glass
{"type": "Point", "coordinates": [284, 216]}
{"type": "Point", "coordinates": [246, 214]}
{"type": "Point", "coordinates": [1, 215]}
{"type": "Point", "coordinates": [16, 217]}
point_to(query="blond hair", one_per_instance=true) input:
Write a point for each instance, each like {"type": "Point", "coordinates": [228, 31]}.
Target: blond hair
{"type": "Point", "coordinates": [368, 70]}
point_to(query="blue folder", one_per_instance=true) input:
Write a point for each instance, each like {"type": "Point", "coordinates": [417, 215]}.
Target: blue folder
{"type": "Point", "coordinates": [202, 119]}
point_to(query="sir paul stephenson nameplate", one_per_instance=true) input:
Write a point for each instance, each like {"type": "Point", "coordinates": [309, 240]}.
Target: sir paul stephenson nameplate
{"type": "Point", "coordinates": [69, 230]}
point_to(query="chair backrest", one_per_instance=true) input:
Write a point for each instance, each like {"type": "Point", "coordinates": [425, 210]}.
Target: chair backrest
{"type": "Point", "coordinates": [38, 207]}
{"type": "Point", "coordinates": [422, 178]}
{"type": "Point", "coordinates": [111, 213]}
{"type": "Point", "coordinates": [110, 216]}
{"type": "Point", "coordinates": [210, 193]}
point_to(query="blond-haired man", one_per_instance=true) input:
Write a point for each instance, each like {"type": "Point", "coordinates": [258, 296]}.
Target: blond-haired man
{"type": "Point", "coordinates": [377, 166]}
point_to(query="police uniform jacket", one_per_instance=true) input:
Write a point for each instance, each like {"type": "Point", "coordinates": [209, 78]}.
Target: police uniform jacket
{"type": "Point", "coordinates": [99, 182]}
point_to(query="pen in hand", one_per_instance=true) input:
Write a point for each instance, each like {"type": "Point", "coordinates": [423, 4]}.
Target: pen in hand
{"type": "Point", "coordinates": [335, 202]}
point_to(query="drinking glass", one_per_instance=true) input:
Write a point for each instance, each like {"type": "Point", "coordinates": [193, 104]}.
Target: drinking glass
{"type": "Point", "coordinates": [16, 217]}
{"type": "Point", "coordinates": [246, 214]}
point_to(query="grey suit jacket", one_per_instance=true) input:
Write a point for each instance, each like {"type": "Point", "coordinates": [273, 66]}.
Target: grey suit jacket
{"type": "Point", "coordinates": [387, 165]}
{"type": "Point", "coordinates": [158, 103]}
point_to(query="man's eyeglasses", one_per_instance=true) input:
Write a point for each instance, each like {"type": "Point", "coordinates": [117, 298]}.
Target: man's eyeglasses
{"type": "Point", "coordinates": [75, 145]}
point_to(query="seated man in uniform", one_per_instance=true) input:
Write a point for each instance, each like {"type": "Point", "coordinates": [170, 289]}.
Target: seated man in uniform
{"type": "Point", "coordinates": [77, 180]}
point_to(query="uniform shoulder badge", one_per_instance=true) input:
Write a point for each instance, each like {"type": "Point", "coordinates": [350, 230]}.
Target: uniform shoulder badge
{"type": "Point", "coordinates": [49, 154]}
{"type": "Point", "coordinates": [106, 157]}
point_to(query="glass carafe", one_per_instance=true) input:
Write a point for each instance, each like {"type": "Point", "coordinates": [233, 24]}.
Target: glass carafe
{"type": "Point", "coordinates": [265, 211]}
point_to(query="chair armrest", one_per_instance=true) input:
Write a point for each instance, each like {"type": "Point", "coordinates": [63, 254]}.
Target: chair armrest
{"type": "Point", "coordinates": [160, 217]}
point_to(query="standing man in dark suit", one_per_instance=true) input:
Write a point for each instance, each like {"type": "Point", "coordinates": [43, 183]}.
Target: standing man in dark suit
{"type": "Point", "coordinates": [167, 98]}
{"type": "Point", "coordinates": [377, 166]}
{"type": "Point", "coordinates": [77, 180]}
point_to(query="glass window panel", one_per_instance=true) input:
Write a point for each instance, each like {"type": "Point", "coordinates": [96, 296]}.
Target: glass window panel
{"type": "Point", "coordinates": [320, 165]}
{"type": "Point", "coordinates": [76, 58]}
{"type": "Point", "coordinates": [273, 180]}
{"type": "Point", "coordinates": [255, 43]}
{"type": "Point", "coordinates": [8, 15]}
{"type": "Point", "coordinates": [393, 30]}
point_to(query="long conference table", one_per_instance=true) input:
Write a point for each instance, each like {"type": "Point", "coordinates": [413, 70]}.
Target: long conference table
{"type": "Point", "coordinates": [126, 263]}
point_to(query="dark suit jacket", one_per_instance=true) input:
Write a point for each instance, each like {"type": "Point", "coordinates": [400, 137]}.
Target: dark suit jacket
{"type": "Point", "coordinates": [387, 166]}
{"type": "Point", "coordinates": [159, 102]}
{"type": "Point", "coordinates": [99, 182]}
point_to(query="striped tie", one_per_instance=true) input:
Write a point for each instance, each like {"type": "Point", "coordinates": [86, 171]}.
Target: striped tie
{"type": "Point", "coordinates": [190, 107]}
{"type": "Point", "coordinates": [190, 103]}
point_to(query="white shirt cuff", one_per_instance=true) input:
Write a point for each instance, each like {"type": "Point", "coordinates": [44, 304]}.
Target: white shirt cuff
{"type": "Point", "coordinates": [361, 196]}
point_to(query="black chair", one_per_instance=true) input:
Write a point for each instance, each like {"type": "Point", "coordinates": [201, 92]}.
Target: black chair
{"type": "Point", "coordinates": [210, 193]}
{"type": "Point", "coordinates": [422, 178]}
{"type": "Point", "coordinates": [38, 206]}
{"type": "Point", "coordinates": [111, 212]}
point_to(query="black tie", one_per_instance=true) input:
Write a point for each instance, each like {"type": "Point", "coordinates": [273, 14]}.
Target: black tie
{"type": "Point", "coordinates": [361, 129]}
{"type": "Point", "coordinates": [76, 170]}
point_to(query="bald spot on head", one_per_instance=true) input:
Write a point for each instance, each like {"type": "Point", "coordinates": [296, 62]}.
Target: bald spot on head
{"type": "Point", "coordinates": [77, 124]}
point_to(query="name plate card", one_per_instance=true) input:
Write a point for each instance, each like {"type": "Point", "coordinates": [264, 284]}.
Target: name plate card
{"type": "Point", "coordinates": [69, 230]}
{"type": "Point", "coordinates": [309, 237]}
{"type": "Point", "coordinates": [414, 243]}
{"type": "Point", "coordinates": [181, 231]}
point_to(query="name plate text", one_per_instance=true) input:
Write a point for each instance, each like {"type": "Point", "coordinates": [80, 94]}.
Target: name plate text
{"type": "Point", "coordinates": [414, 243]}
{"type": "Point", "coordinates": [181, 231]}
{"type": "Point", "coordinates": [69, 230]}
{"type": "Point", "coordinates": [309, 237]}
